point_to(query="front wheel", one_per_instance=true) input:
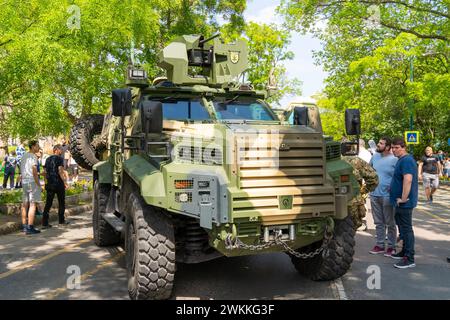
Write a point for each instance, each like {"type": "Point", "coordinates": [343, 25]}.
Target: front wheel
{"type": "Point", "coordinates": [336, 263]}
{"type": "Point", "coordinates": [150, 251]}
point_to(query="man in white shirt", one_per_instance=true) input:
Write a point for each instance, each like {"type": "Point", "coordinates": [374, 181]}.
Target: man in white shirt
{"type": "Point", "coordinates": [31, 187]}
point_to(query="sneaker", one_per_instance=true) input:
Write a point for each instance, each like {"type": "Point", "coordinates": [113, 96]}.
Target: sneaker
{"type": "Point", "coordinates": [398, 256]}
{"type": "Point", "coordinates": [389, 252]}
{"type": "Point", "coordinates": [376, 250]}
{"type": "Point", "coordinates": [24, 228]}
{"type": "Point", "coordinates": [405, 263]}
{"type": "Point", "coordinates": [64, 223]}
{"type": "Point", "coordinates": [46, 226]}
{"type": "Point", "coordinates": [32, 230]}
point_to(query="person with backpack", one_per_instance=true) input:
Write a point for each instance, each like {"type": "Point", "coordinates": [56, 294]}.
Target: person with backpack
{"type": "Point", "coordinates": [56, 183]}
{"type": "Point", "coordinates": [9, 163]}
{"type": "Point", "coordinates": [20, 151]}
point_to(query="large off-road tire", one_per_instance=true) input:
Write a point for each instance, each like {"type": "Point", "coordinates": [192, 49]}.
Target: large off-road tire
{"type": "Point", "coordinates": [104, 234]}
{"type": "Point", "coordinates": [81, 137]}
{"type": "Point", "coordinates": [339, 258]}
{"type": "Point", "coordinates": [150, 251]}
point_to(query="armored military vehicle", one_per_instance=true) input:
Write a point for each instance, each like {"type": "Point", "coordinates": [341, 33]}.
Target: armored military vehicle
{"type": "Point", "coordinates": [197, 166]}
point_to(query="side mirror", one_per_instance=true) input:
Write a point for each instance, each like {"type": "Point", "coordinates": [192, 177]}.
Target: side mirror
{"type": "Point", "coordinates": [301, 116]}
{"type": "Point", "coordinates": [151, 116]}
{"type": "Point", "coordinates": [121, 102]}
{"type": "Point", "coordinates": [352, 122]}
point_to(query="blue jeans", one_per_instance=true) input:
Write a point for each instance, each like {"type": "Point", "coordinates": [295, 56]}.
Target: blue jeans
{"type": "Point", "coordinates": [403, 219]}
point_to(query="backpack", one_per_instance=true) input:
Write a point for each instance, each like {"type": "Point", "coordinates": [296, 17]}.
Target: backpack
{"type": "Point", "coordinates": [10, 162]}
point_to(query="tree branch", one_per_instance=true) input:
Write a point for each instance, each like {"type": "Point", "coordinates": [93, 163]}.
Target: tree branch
{"type": "Point", "coordinates": [381, 2]}
{"type": "Point", "coordinates": [417, 34]}
{"type": "Point", "coordinates": [65, 106]}
{"type": "Point", "coordinates": [22, 32]}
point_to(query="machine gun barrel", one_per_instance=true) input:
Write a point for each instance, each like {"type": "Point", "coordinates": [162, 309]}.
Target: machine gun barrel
{"type": "Point", "coordinates": [202, 42]}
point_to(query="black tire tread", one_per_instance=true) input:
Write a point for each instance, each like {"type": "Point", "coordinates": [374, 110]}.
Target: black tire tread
{"type": "Point", "coordinates": [155, 264]}
{"type": "Point", "coordinates": [339, 258]}
{"type": "Point", "coordinates": [80, 140]}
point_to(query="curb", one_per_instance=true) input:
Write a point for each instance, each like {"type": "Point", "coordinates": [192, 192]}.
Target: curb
{"type": "Point", "coordinates": [10, 227]}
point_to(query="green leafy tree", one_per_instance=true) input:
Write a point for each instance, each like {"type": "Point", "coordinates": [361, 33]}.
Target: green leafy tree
{"type": "Point", "coordinates": [59, 59]}
{"type": "Point", "coordinates": [367, 49]}
{"type": "Point", "coordinates": [267, 52]}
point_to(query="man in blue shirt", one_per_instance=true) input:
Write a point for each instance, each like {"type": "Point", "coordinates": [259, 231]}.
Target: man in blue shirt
{"type": "Point", "coordinates": [403, 196]}
{"type": "Point", "coordinates": [383, 161]}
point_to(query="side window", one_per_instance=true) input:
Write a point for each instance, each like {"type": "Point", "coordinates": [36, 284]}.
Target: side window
{"type": "Point", "coordinates": [184, 110]}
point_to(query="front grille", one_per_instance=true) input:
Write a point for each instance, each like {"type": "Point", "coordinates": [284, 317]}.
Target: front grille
{"type": "Point", "coordinates": [333, 151]}
{"type": "Point", "coordinates": [289, 164]}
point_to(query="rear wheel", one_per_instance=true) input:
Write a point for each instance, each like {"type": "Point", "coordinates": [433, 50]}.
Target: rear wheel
{"type": "Point", "coordinates": [150, 251]}
{"type": "Point", "coordinates": [104, 234]}
{"type": "Point", "coordinates": [339, 258]}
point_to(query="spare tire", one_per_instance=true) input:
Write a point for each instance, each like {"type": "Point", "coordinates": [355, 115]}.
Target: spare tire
{"type": "Point", "coordinates": [81, 138]}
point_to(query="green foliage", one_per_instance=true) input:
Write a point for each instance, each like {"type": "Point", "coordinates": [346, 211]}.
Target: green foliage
{"type": "Point", "coordinates": [268, 50]}
{"type": "Point", "coordinates": [15, 196]}
{"type": "Point", "coordinates": [368, 47]}
{"type": "Point", "coordinates": [52, 72]}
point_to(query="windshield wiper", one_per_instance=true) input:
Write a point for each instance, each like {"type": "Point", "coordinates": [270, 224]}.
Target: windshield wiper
{"type": "Point", "coordinates": [230, 101]}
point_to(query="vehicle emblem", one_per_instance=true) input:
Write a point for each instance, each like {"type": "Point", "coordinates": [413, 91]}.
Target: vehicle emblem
{"type": "Point", "coordinates": [285, 202]}
{"type": "Point", "coordinates": [284, 147]}
{"type": "Point", "coordinates": [234, 57]}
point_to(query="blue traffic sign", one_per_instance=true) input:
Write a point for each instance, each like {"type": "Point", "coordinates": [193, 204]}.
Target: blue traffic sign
{"type": "Point", "coordinates": [448, 142]}
{"type": "Point", "coordinates": [412, 137]}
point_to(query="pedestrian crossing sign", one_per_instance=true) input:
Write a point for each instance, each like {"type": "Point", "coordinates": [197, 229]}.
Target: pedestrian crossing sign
{"type": "Point", "coordinates": [412, 137]}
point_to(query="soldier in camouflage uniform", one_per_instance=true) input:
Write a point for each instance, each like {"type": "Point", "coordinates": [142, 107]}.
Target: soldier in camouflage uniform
{"type": "Point", "coordinates": [368, 181]}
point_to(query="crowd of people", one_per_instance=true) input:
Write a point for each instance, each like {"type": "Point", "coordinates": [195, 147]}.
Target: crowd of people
{"type": "Point", "coordinates": [30, 167]}
{"type": "Point", "coordinates": [396, 193]}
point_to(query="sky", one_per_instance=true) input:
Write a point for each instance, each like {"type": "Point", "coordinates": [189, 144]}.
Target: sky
{"type": "Point", "coordinates": [302, 66]}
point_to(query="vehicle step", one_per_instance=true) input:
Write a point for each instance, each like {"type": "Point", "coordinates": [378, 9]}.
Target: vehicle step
{"type": "Point", "coordinates": [114, 221]}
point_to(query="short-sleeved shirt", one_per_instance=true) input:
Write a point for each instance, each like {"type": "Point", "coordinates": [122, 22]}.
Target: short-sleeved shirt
{"type": "Point", "coordinates": [52, 165]}
{"type": "Point", "coordinates": [384, 166]}
{"type": "Point", "coordinates": [10, 162]}
{"type": "Point", "coordinates": [447, 164]}
{"type": "Point", "coordinates": [430, 164]}
{"type": "Point", "coordinates": [405, 165]}
{"type": "Point", "coordinates": [20, 151]}
{"type": "Point", "coordinates": [26, 167]}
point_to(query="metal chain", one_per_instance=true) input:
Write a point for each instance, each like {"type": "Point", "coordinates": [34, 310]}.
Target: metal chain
{"type": "Point", "coordinates": [238, 244]}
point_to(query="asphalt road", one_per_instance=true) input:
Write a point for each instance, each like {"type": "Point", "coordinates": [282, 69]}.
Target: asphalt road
{"type": "Point", "coordinates": [43, 267]}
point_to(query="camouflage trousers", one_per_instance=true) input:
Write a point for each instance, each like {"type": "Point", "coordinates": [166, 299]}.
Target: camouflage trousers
{"type": "Point", "coordinates": [357, 209]}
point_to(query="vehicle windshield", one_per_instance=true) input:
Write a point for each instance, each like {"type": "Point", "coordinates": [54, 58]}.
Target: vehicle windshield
{"type": "Point", "coordinates": [242, 110]}
{"type": "Point", "coordinates": [184, 110]}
